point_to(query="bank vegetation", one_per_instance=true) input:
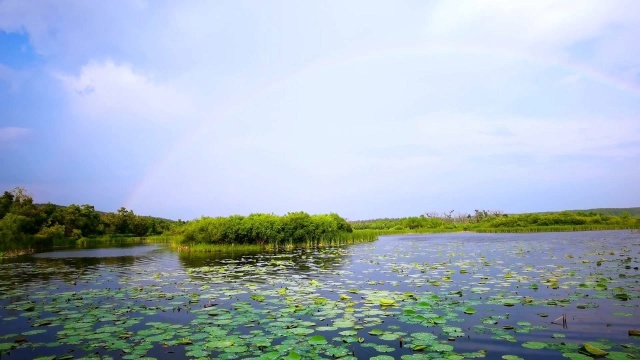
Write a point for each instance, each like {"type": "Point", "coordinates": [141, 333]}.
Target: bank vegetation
{"type": "Point", "coordinates": [27, 227]}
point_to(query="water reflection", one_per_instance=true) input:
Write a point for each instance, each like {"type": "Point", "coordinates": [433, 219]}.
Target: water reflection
{"type": "Point", "coordinates": [69, 267]}
{"type": "Point", "coordinates": [303, 259]}
{"type": "Point", "coordinates": [132, 251]}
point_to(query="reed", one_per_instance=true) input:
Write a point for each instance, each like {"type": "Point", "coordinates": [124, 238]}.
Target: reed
{"type": "Point", "coordinates": [107, 240]}
{"type": "Point", "coordinates": [215, 248]}
{"type": "Point", "coordinates": [17, 252]}
{"type": "Point", "coordinates": [356, 237]}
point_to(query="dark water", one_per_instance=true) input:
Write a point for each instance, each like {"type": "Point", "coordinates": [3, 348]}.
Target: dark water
{"type": "Point", "coordinates": [453, 296]}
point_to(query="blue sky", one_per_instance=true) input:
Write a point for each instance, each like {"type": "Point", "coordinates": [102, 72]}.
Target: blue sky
{"type": "Point", "coordinates": [364, 108]}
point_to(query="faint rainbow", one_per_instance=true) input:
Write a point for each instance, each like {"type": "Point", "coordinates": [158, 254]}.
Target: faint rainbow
{"type": "Point", "coordinates": [367, 55]}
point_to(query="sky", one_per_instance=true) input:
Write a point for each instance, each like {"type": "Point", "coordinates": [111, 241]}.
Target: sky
{"type": "Point", "coordinates": [370, 109]}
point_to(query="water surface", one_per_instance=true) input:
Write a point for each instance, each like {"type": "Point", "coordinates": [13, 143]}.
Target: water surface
{"type": "Point", "coordinates": [460, 295]}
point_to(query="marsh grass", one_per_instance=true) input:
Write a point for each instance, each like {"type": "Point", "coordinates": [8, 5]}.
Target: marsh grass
{"type": "Point", "coordinates": [17, 252]}
{"type": "Point", "coordinates": [117, 240]}
{"type": "Point", "coordinates": [212, 248]}
{"type": "Point", "coordinates": [356, 237]}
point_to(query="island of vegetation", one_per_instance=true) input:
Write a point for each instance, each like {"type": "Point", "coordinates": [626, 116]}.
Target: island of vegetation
{"type": "Point", "coordinates": [26, 226]}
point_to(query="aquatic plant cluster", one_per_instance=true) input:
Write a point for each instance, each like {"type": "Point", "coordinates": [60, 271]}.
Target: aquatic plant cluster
{"type": "Point", "coordinates": [448, 296]}
{"type": "Point", "coordinates": [266, 229]}
{"type": "Point", "coordinates": [497, 221]}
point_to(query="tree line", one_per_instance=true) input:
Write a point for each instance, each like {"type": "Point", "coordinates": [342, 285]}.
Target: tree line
{"type": "Point", "coordinates": [487, 220]}
{"type": "Point", "coordinates": [24, 224]}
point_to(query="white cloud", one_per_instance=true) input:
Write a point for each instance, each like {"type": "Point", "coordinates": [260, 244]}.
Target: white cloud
{"type": "Point", "coordinates": [600, 35]}
{"type": "Point", "coordinates": [62, 31]}
{"type": "Point", "coordinates": [391, 105]}
{"type": "Point", "coordinates": [13, 133]}
{"type": "Point", "coordinates": [116, 92]}
{"type": "Point", "coordinates": [541, 27]}
{"type": "Point", "coordinates": [463, 135]}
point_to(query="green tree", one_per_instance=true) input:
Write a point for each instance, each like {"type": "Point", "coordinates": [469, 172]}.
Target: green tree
{"type": "Point", "coordinates": [263, 228]}
{"type": "Point", "coordinates": [297, 227]}
{"type": "Point", "coordinates": [412, 222]}
{"type": "Point", "coordinates": [49, 235]}
{"type": "Point", "coordinates": [341, 223]}
{"type": "Point", "coordinates": [6, 201]}
{"type": "Point", "coordinates": [123, 221]}
{"type": "Point", "coordinates": [79, 220]}
{"type": "Point", "coordinates": [23, 205]}
{"type": "Point", "coordinates": [13, 231]}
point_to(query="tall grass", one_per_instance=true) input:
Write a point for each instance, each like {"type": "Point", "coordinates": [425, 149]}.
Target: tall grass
{"type": "Point", "coordinates": [15, 252]}
{"type": "Point", "coordinates": [214, 248]}
{"type": "Point", "coordinates": [356, 237]}
{"type": "Point", "coordinates": [112, 239]}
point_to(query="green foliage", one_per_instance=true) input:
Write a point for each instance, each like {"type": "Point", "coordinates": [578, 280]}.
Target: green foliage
{"type": "Point", "coordinates": [13, 231]}
{"type": "Point", "coordinates": [52, 233]}
{"type": "Point", "coordinates": [25, 225]}
{"type": "Point", "coordinates": [79, 220]}
{"type": "Point", "coordinates": [496, 221]}
{"type": "Point", "coordinates": [564, 218]}
{"type": "Point", "coordinates": [266, 229]}
{"type": "Point", "coordinates": [6, 200]}
{"type": "Point", "coordinates": [634, 212]}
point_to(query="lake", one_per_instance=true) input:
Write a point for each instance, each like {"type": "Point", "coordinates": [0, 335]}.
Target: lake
{"type": "Point", "coordinates": [453, 296]}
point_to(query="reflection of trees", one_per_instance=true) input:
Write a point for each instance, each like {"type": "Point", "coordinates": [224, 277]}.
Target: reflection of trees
{"type": "Point", "coordinates": [301, 260]}
{"type": "Point", "coordinates": [22, 271]}
{"type": "Point", "coordinates": [193, 259]}
{"type": "Point", "coordinates": [80, 263]}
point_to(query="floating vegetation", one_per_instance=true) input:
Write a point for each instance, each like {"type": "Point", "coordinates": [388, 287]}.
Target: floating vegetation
{"type": "Point", "coordinates": [534, 345]}
{"type": "Point", "coordinates": [400, 297]}
{"type": "Point", "coordinates": [593, 350]}
{"type": "Point", "coordinates": [387, 302]}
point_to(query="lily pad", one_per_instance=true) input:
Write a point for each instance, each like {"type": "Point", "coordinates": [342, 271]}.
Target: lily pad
{"type": "Point", "coordinates": [534, 345]}
{"type": "Point", "coordinates": [593, 350]}
{"type": "Point", "coordinates": [317, 340]}
{"type": "Point", "coordinates": [387, 302]}
{"type": "Point", "coordinates": [293, 356]}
